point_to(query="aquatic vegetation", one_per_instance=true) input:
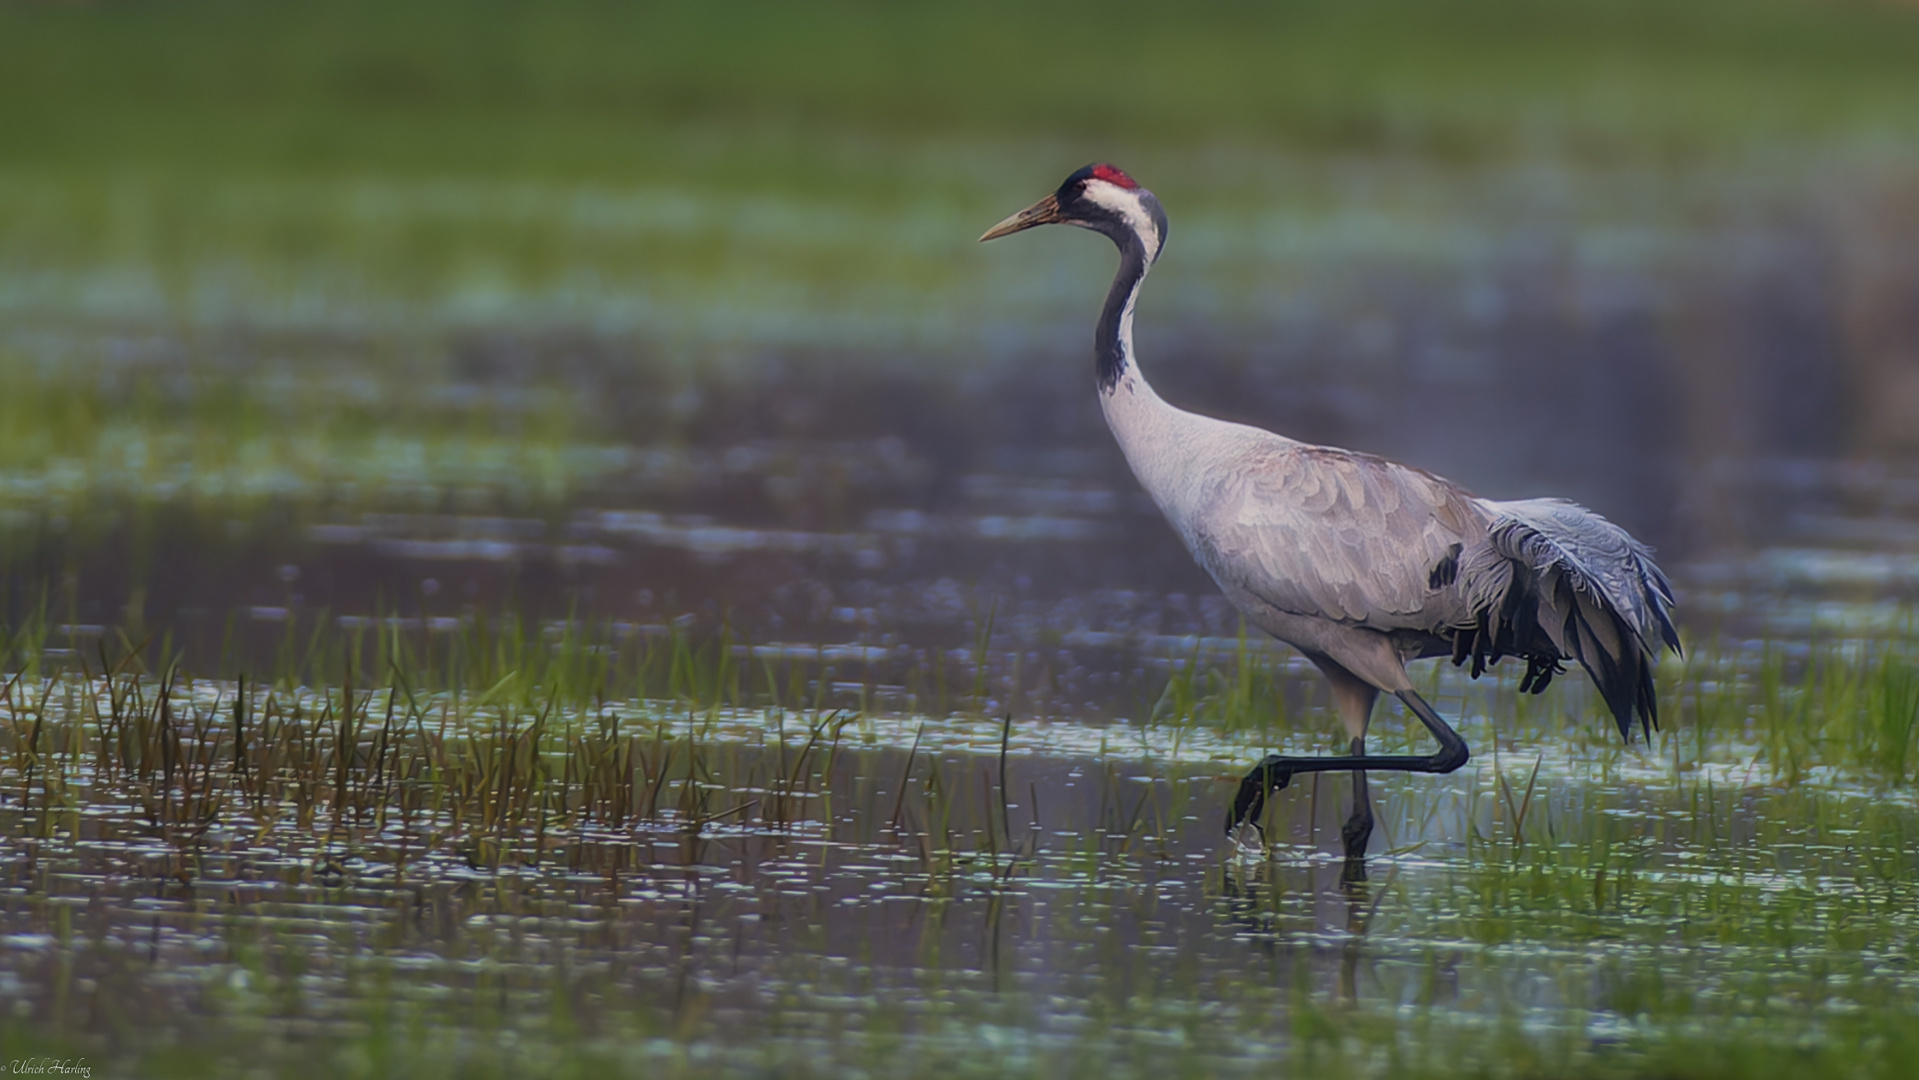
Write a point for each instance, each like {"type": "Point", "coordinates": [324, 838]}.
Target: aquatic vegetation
{"type": "Point", "coordinates": [498, 847]}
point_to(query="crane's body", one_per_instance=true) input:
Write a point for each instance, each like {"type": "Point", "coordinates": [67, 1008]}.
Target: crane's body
{"type": "Point", "coordinates": [1360, 563]}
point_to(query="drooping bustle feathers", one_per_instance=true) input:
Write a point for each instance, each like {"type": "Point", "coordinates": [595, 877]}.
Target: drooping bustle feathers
{"type": "Point", "coordinates": [1557, 580]}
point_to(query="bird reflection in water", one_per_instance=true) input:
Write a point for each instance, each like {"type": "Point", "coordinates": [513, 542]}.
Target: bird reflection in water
{"type": "Point", "coordinates": [1251, 896]}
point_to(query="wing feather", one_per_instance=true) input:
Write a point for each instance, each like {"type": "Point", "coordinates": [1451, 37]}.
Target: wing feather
{"type": "Point", "coordinates": [1337, 535]}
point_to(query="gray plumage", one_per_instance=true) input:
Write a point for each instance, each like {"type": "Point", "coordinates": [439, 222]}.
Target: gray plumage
{"type": "Point", "coordinates": [1359, 543]}
{"type": "Point", "coordinates": [1360, 563]}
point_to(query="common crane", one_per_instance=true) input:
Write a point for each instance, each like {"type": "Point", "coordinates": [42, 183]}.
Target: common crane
{"type": "Point", "coordinates": [1360, 563]}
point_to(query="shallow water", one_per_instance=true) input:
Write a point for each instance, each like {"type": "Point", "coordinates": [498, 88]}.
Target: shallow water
{"type": "Point", "coordinates": [1069, 905]}
{"type": "Point", "coordinates": [901, 551]}
{"type": "Point", "coordinates": [1659, 900]}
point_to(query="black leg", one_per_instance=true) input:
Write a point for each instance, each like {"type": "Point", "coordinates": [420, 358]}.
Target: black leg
{"type": "Point", "coordinates": [1358, 828]}
{"type": "Point", "coordinates": [1277, 770]}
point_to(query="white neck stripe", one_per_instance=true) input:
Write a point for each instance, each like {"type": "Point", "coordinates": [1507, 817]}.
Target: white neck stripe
{"type": "Point", "coordinates": [1127, 205]}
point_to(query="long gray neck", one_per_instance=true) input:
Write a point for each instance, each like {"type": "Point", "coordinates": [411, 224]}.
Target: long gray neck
{"type": "Point", "coordinates": [1167, 446]}
{"type": "Point", "coordinates": [1113, 341]}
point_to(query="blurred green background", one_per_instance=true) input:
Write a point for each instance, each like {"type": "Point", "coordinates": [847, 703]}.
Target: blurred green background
{"type": "Point", "coordinates": [623, 92]}
{"type": "Point", "coordinates": [1521, 242]}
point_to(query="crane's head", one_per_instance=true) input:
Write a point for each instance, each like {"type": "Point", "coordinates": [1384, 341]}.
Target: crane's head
{"type": "Point", "coordinates": [1102, 198]}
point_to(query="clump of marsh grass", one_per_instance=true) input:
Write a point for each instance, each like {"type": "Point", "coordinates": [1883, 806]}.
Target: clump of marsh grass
{"type": "Point", "coordinates": [1847, 706]}
{"type": "Point", "coordinates": [497, 741]}
{"type": "Point", "coordinates": [1242, 695]}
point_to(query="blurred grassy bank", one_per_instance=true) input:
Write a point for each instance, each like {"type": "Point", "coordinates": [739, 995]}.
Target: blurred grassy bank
{"type": "Point", "coordinates": [1377, 208]}
{"type": "Point", "coordinates": [606, 90]}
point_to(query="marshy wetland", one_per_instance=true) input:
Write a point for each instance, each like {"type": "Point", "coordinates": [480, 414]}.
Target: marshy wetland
{"type": "Point", "coordinates": [521, 560]}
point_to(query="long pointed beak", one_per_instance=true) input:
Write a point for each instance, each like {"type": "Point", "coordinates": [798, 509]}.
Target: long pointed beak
{"type": "Point", "coordinates": [1043, 212]}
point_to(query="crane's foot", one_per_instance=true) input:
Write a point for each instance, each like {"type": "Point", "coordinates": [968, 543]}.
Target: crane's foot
{"type": "Point", "coordinates": [1358, 830]}
{"type": "Point", "coordinates": [1355, 833]}
{"type": "Point", "coordinates": [1248, 840]}
{"type": "Point", "coordinates": [1267, 777]}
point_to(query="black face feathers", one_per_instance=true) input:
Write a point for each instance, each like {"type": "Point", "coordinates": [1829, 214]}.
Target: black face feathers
{"type": "Point", "coordinates": [1105, 199]}
{"type": "Point", "coordinates": [1072, 199]}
